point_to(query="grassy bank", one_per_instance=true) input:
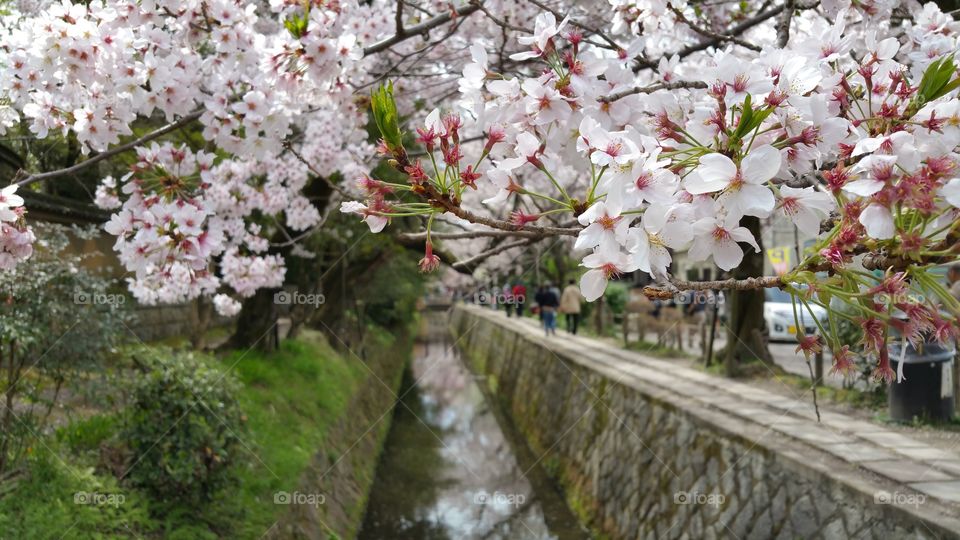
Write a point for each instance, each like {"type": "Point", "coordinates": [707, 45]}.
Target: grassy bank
{"type": "Point", "coordinates": [291, 400]}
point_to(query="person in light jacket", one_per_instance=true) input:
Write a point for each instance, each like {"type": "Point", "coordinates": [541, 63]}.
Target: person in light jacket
{"type": "Point", "coordinates": [570, 305]}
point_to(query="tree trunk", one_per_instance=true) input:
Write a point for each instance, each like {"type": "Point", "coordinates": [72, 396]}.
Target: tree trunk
{"type": "Point", "coordinates": [598, 316]}
{"type": "Point", "coordinates": [257, 323]}
{"type": "Point", "coordinates": [746, 309]}
{"type": "Point", "coordinates": [201, 316]}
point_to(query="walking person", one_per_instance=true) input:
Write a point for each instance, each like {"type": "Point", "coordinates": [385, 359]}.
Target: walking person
{"type": "Point", "coordinates": [570, 302]}
{"type": "Point", "coordinates": [549, 302]}
{"type": "Point", "coordinates": [538, 300]}
{"type": "Point", "coordinates": [519, 297]}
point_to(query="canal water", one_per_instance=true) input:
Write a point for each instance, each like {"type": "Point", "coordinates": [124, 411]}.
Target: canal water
{"type": "Point", "coordinates": [453, 467]}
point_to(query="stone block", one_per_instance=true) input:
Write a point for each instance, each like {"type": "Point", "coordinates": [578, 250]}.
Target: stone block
{"type": "Point", "coordinates": [906, 471]}
{"type": "Point", "coordinates": [948, 491]}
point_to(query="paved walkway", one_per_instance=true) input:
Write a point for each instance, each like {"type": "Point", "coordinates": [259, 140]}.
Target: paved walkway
{"type": "Point", "coordinates": [784, 354]}
{"type": "Point", "coordinates": [871, 450]}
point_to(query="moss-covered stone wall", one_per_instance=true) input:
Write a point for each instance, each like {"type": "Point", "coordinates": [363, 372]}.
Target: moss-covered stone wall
{"type": "Point", "coordinates": [635, 461]}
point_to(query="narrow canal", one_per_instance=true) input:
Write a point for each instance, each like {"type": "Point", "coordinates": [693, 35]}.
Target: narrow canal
{"type": "Point", "coordinates": [453, 467]}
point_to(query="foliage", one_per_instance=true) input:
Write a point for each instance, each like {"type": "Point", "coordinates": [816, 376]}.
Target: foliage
{"type": "Point", "coordinates": [385, 115]}
{"type": "Point", "coordinates": [616, 297]}
{"type": "Point", "coordinates": [183, 427]}
{"type": "Point", "coordinates": [57, 499]}
{"type": "Point", "coordinates": [57, 319]}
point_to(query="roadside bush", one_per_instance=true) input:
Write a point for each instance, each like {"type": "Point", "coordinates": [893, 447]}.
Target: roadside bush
{"type": "Point", "coordinates": [59, 319]}
{"type": "Point", "coordinates": [183, 428]}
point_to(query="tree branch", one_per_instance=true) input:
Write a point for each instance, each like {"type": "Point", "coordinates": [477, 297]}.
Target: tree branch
{"type": "Point", "coordinates": [310, 168]}
{"type": "Point", "coordinates": [610, 42]}
{"type": "Point", "coordinates": [783, 25]}
{"type": "Point", "coordinates": [445, 203]}
{"type": "Point", "coordinates": [466, 263]}
{"type": "Point", "coordinates": [676, 285]}
{"type": "Point", "coordinates": [620, 94]}
{"type": "Point", "coordinates": [26, 179]}
{"type": "Point", "coordinates": [710, 33]}
{"type": "Point", "coordinates": [400, 30]}
{"type": "Point", "coordinates": [643, 63]}
{"type": "Point", "coordinates": [419, 29]}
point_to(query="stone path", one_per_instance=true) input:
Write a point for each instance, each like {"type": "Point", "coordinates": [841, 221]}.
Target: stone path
{"type": "Point", "coordinates": [784, 355]}
{"type": "Point", "coordinates": [909, 471]}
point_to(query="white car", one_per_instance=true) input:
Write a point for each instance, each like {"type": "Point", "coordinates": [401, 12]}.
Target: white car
{"type": "Point", "coordinates": [778, 313]}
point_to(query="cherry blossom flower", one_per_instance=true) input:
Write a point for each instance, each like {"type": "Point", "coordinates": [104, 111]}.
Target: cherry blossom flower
{"type": "Point", "coordinates": [9, 202]}
{"type": "Point", "coordinates": [809, 345]}
{"type": "Point", "coordinates": [878, 221]}
{"type": "Point", "coordinates": [375, 221]}
{"type": "Point", "coordinates": [603, 266]}
{"type": "Point", "coordinates": [843, 363]}
{"type": "Point", "coordinates": [545, 28]}
{"type": "Point", "coordinates": [717, 237]}
{"type": "Point", "coordinates": [429, 262]}
{"type": "Point", "coordinates": [225, 305]}
{"type": "Point", "coordinates": [604, 227]}
{"type": "Point", "coordinates": [743, 189]}
{"type": "Point", "coordinates": [806, 207]}
{"type": "Point", "coordinates": [649, 244]}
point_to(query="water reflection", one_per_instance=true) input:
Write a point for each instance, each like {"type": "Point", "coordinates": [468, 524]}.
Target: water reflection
{"type": "Point", "coordinates": [450, 471]}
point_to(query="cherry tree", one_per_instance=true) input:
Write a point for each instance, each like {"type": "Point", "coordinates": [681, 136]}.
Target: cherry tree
{"type": "Point", "coordinates": [636, 129]}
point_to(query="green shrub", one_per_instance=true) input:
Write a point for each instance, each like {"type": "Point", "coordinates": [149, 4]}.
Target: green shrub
{"type": "Point", "coordinates": [616, 297]}
{"type": "Point", "coordinates": [183, 428]}
{"type": "Point", "coordinates": [59, 319]}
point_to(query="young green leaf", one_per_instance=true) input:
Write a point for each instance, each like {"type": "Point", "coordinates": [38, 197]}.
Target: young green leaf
{"type": "Point", "coordinates": [385, 115]}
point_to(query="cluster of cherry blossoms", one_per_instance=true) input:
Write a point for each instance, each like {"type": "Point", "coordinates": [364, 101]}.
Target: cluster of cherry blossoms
{"type": "Point", "coordinates": [92, 69]}
{"type": "Point", "coordinates": [16, 238]}
{"type": "Point", "coordinates": [185, 227]}
{"type": "Point", "coordinates": [850, 131]}
{"type": "Point", "coordinates": [673, 128]}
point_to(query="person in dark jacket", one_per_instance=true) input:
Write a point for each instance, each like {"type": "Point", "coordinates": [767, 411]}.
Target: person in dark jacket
{"type": "Point", "coordinates": [549, 301]}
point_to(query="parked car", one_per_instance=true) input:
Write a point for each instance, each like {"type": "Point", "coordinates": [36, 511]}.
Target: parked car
{"type": "Point", "coordinates": [778, 313]}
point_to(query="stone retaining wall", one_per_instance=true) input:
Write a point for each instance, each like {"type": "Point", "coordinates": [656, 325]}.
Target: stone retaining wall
{"type": "Point", "coordinates": [151, 323]}
{"type": "Point", "coordinates": [640, 460]}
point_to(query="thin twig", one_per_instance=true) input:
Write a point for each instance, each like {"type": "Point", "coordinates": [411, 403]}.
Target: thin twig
{"type": "Point", "coordinates": [465, 263]}
{"type": "Point", "coordinates": [472, 234]}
